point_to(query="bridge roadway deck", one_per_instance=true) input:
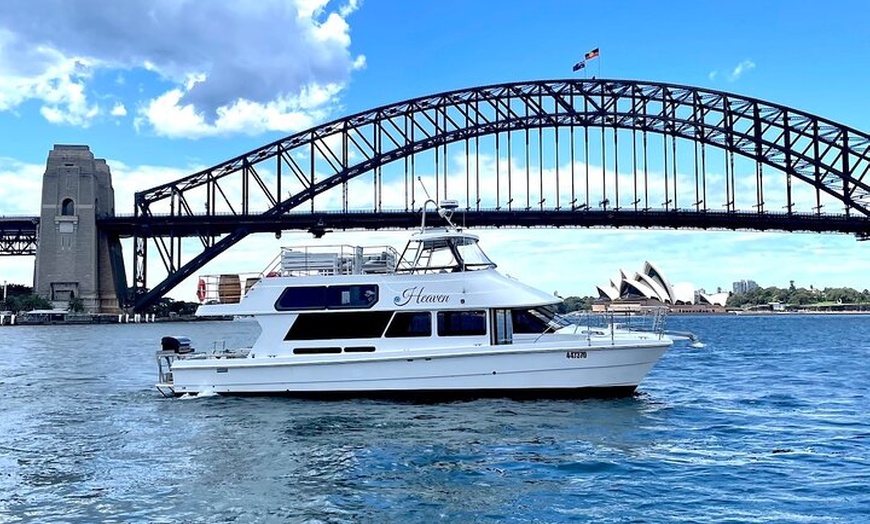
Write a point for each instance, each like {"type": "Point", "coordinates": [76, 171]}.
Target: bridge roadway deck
{"type": "Point", "coordinates": [18, 235]}
{"type": "Point", "coordinates": [18, 224]}
{"type": "Point", "coordinates": [321, 222]}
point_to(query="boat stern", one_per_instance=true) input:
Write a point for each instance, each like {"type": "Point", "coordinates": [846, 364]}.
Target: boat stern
{"type": "Point", "coordinates": [171, 348]}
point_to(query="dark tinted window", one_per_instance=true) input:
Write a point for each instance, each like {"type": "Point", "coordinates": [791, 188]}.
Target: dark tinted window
{"type": "Point", "coordinates": [316, 351]}
{"type": "Point", "coordinates": [351, 296]}
{"type": "Point", "coordinates": [461, 323]}
{"type": "Point", "coordinates": [328, 297]}
{"type": "Point", "coordinates": [359, 349]}
{"type": "Point", "coordinates": [527, 322]}
{"type": "Point", "coordinates": [303, 297]}
{"type": "Point", "coordinates": [410, 325]}
{"type": "Point", "coordinates": [315, 326]}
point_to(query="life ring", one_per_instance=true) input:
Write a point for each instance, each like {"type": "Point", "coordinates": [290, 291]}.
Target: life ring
{"type": "Point", "coordinates": [200, 290]}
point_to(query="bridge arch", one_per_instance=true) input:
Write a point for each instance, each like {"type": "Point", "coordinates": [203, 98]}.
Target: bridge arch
{"type": "Point", "coordinates": [829, 159]}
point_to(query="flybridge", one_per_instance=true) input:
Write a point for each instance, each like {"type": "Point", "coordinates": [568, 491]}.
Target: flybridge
{"type": "Point", "coordinates": [300, 261]}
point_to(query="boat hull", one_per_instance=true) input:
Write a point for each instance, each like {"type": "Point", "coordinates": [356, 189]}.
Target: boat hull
{"type": "Point", "coordinates": [521, 371]}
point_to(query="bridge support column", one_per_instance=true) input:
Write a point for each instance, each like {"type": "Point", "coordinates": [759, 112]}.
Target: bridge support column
{"type": "Point", "coordinates": [73, 258]}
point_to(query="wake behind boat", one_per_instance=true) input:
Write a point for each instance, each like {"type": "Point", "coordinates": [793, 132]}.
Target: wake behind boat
{"type": "Point", "coordinates": [437, 321]}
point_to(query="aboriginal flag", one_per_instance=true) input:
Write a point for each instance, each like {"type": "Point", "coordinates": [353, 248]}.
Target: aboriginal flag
{"type": "Point", "coordinates": [592, 54]}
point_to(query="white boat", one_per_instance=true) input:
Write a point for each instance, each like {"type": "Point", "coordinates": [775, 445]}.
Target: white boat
{"type": "Point", "coordinates": [436, 322]}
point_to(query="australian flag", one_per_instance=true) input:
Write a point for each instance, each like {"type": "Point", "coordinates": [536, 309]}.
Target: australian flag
{"type": "Point", "coordinates": [579, 65]}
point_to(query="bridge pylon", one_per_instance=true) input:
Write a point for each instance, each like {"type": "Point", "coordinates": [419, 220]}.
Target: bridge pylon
{"type": "Point", "coordinates": [74, 259]}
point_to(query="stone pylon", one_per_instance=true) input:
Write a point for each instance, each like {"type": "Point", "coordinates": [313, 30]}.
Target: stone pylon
{"type": "Point", "coordinates": [73, 258]}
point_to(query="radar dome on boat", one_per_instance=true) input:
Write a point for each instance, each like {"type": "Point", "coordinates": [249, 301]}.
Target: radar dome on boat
{"type": "Point", "coordinates": [446, 209]}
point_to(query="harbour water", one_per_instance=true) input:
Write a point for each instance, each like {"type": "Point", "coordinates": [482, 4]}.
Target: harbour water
{"type": "Point", "coordinates": [766, 423]}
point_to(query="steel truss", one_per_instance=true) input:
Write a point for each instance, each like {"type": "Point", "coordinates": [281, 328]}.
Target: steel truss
{"type": "Point", "coordinates": [791, 150]}
{"type": "Point", "coordinates": [18, 236]}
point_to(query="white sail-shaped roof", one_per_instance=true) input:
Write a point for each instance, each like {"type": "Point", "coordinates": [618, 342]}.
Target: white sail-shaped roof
{"type": "Point", "coordinates": [609, 292]}
{"type": "Point", "coordinates": [664, 295]}
{"type": "Point", "coordinates": [651, 283]}
{"type": "Point", "coordinates": [653, 271]}
{"type": "Point", "coordinates": [636, 287]}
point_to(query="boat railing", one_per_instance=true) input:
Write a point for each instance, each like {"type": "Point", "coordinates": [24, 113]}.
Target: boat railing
{"type": "Point", "coordinates": [298, 261]}
{"type": "Point", "coordinates": [647, 319]}
{"type": "Point", "coordinates": [341, 259]}
{"type": "Point", "coordinates": [227, 288]}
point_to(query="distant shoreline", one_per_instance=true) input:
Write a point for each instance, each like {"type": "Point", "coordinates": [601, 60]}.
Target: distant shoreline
{"type": "Point", "coordinates": [771, 313]}
{"type": "Point", "coordinates": [843, 312]}
{"type": "Point", "coordinates": [86, 319]}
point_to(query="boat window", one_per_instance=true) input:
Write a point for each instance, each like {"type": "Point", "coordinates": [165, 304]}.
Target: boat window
{"type": "Point", "coordinates": [410, 324]}
{"type": "Point", "coordinates": [315, 326]}
{"type": "Point", "coordinates": [440, 254]}
{"type": "Point", "coordinates": [361, 296]}
{"type": "Point", "coordinates": [502, 327]}
{"type": "Point", "coordinates": [359, 349]}
{"type": "Point", "coordinates": [529, 321]}
{"type": "Point", "coordinates": [461, 323]}
{"type": "Point", "coordinates": [471, 255]}
{"type": "Point", "coordinates": [442, 257]}
{"type": "Point", "coordinates": [352, 296]}
{"type": "Point", "coordinates": [316, 351]}
{"type": "Point", "coordinates": [536, 320]}
{"type": "Point", "coordinates": [434, 255]}
{"type": "Point", "coordinates": [302, 297]}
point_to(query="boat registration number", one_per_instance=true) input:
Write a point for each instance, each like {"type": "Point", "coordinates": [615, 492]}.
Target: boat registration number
{"type": "Point", "coordinates": [575, 354]}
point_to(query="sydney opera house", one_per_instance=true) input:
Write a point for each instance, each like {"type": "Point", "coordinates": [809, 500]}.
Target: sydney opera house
{"type": "Point", "coordinates": [651, 286]}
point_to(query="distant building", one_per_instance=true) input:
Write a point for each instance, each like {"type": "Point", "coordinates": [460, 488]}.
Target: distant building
{"type": "Point", "coordinates": [743, 286]}
{"type": "Point", "coordinates": [651, 286]}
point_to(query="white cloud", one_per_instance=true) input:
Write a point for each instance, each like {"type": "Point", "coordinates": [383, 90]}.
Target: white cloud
{"type": "Point", "coordinates": [740, 69]}
{"type": "Point", "coordinates": [735, 74]}
{"type": "Point", "coordinates": [43, 73]}
{"type": "Point", "coordinates": [170, 116]}
{"type": "Point", "coordinates": [20, 187]}
{"type": "Point", "coordinates": [119, 110]}
{"type": "Point", "coordinates": [231, 66]}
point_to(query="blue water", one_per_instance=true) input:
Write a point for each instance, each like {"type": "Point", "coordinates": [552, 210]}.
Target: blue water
{"type": "Point", "coordinates": [767, 423]}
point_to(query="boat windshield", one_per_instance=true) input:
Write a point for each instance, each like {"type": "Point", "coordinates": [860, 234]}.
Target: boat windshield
{"type": "Point", "coordinates": [537, 320]}
{"type": "Point", "coordinates": [441, 254]}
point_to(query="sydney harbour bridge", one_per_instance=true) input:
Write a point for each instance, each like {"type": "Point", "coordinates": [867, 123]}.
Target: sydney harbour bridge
{"type": "Point", "coordinates": [560, 153]}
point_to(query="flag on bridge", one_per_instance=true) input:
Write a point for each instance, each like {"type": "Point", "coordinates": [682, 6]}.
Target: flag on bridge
{"type": "Point", "coordinates": [592, 54]}
{"type": "Point", "coordinates": [579, 65]}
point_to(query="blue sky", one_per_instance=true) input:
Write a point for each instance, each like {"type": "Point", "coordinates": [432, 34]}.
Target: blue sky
{"type": "Point", "coordinates": [162, 88]}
